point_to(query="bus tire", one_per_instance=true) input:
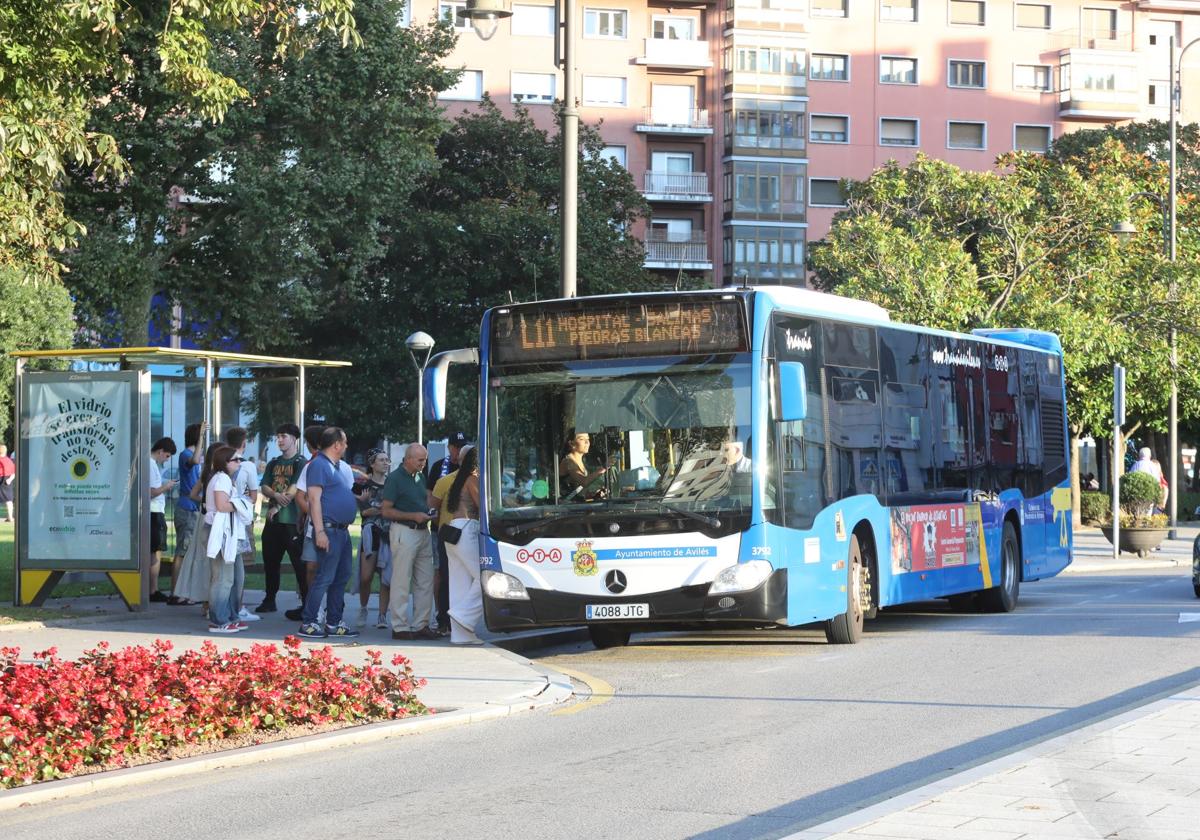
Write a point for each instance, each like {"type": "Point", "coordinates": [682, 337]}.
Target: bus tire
{"type": "Point", "coordinates": [608, 637]}
{"type": "Point", "coordinates": [847, 628]}
{"type": "Point", "coordinates": [1003, 598]}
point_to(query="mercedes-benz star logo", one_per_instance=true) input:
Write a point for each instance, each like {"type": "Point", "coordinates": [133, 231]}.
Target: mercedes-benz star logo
{"type": "Point", "coordinates": [615, 581]}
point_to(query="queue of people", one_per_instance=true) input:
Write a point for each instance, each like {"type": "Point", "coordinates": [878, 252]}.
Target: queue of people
{"type": "Point", "coordinates": [409, 515]}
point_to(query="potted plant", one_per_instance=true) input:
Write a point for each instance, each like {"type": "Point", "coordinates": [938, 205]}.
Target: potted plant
{"type": "Point", "coordinates": [1141, 528]}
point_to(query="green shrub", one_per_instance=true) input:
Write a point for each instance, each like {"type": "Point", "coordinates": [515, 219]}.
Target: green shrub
{"type": "Point", "coordinates": [1094, 506]}
{"type": "Point", "coordinates": [1139, 494]}
{"type": "Point", "coordinates": [1188, 502]}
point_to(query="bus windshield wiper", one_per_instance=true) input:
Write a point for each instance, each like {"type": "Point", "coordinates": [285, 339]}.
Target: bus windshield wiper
{"type": "Point", "coordinates": [513, 530]}
{"type": "Point", "coordinates": [703, 519]}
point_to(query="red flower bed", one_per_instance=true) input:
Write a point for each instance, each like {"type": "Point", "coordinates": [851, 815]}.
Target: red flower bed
{"type": "Point", "coordinates": [58, 717]}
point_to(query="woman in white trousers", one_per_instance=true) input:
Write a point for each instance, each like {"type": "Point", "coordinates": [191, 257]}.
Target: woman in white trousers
{"type": "Point", "coordinates": [466, 599]}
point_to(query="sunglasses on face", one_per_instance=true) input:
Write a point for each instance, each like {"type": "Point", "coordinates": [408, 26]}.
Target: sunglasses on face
{"type": "Point", "coordinates": [236, 460]}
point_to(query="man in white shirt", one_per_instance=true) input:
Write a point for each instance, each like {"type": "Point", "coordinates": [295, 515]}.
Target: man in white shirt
{"type": "Point", "coordinates": [245, 483]}
{"type": "Point", "coordinates": [162, 451]}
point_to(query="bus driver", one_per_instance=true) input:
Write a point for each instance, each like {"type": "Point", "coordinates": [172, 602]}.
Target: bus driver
{"type": "Point", "coordinates": [576, 481]}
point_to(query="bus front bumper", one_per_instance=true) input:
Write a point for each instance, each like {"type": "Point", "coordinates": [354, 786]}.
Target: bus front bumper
{"type": "Point", "coordinates": [689, 605]}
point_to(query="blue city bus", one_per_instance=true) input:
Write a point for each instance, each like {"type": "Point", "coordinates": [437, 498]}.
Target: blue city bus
{"type": "Point", "coordinates": [759, 456]}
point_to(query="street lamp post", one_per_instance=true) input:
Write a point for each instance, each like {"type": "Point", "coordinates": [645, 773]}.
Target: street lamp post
{"type": "Point", "coordinates": [420, 342]}
{"type": "Point", "coordinates": [484, 15]}
{"type": "Point", "coordinates": [1124, 229]}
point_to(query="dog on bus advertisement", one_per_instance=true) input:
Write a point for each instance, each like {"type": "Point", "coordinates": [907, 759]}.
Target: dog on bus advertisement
{"type": "Point", "coordinates": [929, 537]}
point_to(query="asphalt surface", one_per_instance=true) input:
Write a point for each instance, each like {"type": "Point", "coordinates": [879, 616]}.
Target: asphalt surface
{"type": "Point", "coordinates": [729, 735]}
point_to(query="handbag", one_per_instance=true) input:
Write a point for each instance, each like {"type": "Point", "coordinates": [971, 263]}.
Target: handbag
{"type": "Point", "coordinates": [449, 534]}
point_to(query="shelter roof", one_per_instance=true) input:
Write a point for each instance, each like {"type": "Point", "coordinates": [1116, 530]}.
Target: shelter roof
{"type": "Point", "coordinates": [172, 356]}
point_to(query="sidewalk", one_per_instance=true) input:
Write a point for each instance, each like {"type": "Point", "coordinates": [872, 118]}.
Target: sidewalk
{"type": "Point", "coordinates": [1133, 777]}
{"type": "Point", "coordinates": [1093, 553]}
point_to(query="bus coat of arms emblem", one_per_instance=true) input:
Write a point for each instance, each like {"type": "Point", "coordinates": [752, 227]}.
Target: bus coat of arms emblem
{"type": "Point", "coordinates": [583, 559]}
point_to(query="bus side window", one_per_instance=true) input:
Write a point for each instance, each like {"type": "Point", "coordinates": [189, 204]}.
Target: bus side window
{"type": "Point", "coordinates": [800, 458]}
{"type": "Point", "coordinates": [1031, 426]}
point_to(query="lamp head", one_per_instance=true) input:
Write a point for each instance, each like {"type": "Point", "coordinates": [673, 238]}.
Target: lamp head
{"type": "Point", "coordinates": [1123, 230]}
{"type": "Point", "coordinates": [484, 16]}
{"type": "Point", "coordinates": [419, 342]}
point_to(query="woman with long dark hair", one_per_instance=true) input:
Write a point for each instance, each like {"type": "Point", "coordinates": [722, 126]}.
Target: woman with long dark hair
{"type": "Point", "coordinates": [225, 567]}
{"type": "Point", "coordinates": [462, 501]}
{"type": "Point", "coordinates": [194, 580]}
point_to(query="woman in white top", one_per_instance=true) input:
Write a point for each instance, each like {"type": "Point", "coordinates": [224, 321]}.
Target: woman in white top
{"type": "Point", "coordinates": [228, 573]}
{"type": "Point", "coordinates": [466, 599]}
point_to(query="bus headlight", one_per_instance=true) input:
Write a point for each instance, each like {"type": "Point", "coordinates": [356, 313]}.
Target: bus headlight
{"type": "Point", "coordinates": [503, 587]}
{"type": "Point", "coordinates": [740, 577]}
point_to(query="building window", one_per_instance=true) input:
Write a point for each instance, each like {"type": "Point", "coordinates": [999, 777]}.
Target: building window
{"type": "Point", "coordinates": [829, 67]}
{"type": "Point", "coordinates": [898, 132]}
{"type": "Point", "coordinates": [674, 28]}
{"type": "Point", "coordinates": [468, 87]}
{"type": "Point", "coordinates": [448, 12]}
{"type": "Point", "coordinates": [776, 61]}
{"type": "Point", "coordinates": [1033, 15]}
{"type": "Point", "coordinates": [604, 90]}
{"type": "Point", "coordinates": [897, 71]}
{"type": "Point", "coordinates": [826, 128]}
{"type": "Point", "coordinates": [533, 87]}
{"type": "Point", "coordinates": [605, 23]}
{"type": "Point", "coordinates": [968, 12]}
{"type": "Point", "coordinates": [967, 74]}
{"type": "Point", "coordinates": [1031, 77]}
{"type": "Point", "coordinates": [764, 124]}
{"type": "Point", "coordinates": [1158, 93]}
{"type": "Point", "coordinates": [765, 254]}
{"type": "Point", "coordinates": [1031, 138]}
{"type": "Point", "coordinates": [532, 20]}
{"type": "Point", "coordinates": [1100, 24]}
{"type": "Point", "coordinates": [767, 190]}
{"type": "Point", "coordinates": [902, 10]}
{"type": "Point", "coordinates": [614, 154]}
{"type": "Point", "coordinates": [828, 8]}
{"type": "Point", "coordinates": [966, 135]}
{"type": "Point", "coordinates": [826, 192]}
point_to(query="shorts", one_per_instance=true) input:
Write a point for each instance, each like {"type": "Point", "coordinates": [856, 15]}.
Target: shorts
{"type": "Point", "coordinates": [158, 531]}
{"type": "Point", "coordinates": [375, 541]}
{"type": "Point", "coordinates": [185, 526]}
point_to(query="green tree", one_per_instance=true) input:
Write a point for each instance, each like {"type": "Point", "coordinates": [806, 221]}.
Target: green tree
{"type": "Point", "coordinates": [255, 225]}
{"type": "Point", "coordinates": [483, 230]}
{"type": "Point", "coordinates": [50, 55]}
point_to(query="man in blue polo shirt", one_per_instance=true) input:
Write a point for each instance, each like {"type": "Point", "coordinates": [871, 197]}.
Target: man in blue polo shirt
{"type": "Point", "coordinates": [332, 508]}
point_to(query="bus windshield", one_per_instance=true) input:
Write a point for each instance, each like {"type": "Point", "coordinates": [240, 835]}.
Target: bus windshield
{"type": "Point", "coordinates": [667, 437]}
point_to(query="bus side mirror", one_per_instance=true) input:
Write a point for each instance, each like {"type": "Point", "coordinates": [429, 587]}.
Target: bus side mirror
{"type": "Point", "coordinates": [435, 379]}
{"type": "Point", "coordinates": [793, 394]}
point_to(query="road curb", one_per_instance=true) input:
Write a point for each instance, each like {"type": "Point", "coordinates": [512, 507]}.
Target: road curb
{"type": "Point", "coordinates": [557, 690]}
{"type": "Point", "coordinates": [536, 639]}
{"type": "Point", "coordinates": [1085, 568]}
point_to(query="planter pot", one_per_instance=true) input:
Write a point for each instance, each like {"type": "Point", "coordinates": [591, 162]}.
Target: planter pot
{"type": "Point", "coordinates": [1139, 541]}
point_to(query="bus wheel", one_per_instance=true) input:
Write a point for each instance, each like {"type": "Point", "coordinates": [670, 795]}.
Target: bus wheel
{"type": "Point", "coordinates": [847, 628]}
{"type": "Point", "coordinates": [608, 637]}
{"type": "Point", "coordinates": [1003, 598]}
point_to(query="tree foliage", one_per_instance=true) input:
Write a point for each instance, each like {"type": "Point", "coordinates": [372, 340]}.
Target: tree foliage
{"type": "Point", "coordinates": [51, 53]}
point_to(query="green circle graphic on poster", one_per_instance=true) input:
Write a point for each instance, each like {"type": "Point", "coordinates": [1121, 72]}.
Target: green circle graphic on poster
{"type": "Point", "coordinates": [80, 469]}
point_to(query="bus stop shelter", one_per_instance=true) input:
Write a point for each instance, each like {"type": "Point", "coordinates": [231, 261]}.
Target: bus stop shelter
{"type": "Point", "coordinates": [83, 448]}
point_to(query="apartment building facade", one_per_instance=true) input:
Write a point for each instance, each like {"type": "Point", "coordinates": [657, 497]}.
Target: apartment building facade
{"type": "Point", "coordinates": [738, 118]}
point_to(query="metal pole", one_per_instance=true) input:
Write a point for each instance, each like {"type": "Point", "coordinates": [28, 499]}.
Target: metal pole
{"type": "Point", "coordinates": [208, 402]}
{"type": "Point", "coordinates": [1173, 410]}
{"type": "Point", "coordinates": [1116, 491]}
{"type": "Point", "coordinates": [301, 396]}
{"type": "Point", "coordinates": [570, 153]}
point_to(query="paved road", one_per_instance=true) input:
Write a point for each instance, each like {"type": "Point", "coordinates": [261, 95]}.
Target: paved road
{"type": "Point", "coordinates": [737, 735]}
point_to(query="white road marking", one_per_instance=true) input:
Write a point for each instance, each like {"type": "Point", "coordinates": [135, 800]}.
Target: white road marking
{"type": "Point", "coordinates": [1186, 617]}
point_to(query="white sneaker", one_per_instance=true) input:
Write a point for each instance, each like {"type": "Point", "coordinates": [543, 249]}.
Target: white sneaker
{"type": "Point", "coordinates": [362, 616]}
{"type": "Point", "coordinates": [246, 615]}
{"type": "Point", "coordinates": [381, 623]}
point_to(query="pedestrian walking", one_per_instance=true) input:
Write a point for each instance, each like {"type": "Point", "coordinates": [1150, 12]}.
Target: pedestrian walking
{"type": "Point", "coordinates": [245, 484]}
{"type": "Point", "coordinates": [187, 509]}
{"type": "Point", "coordinates": [405, 505]}
{"type": "Point", "coordinates": [438, 470]}
{"type": "Point", "coordinates": [160, 453]}
{"type": "Point", "coordinates": [280, 536]}
{"type": "Point", "coordinates": [8, 475]}
{"type": "Point", "coordinates": [222, 546]}
{"type": "Point", "coordinates": [374, 550]}
{"type": "Point", "coordinates": [461, 538]}
{"type": "Point", "coordinates": [332, 509]}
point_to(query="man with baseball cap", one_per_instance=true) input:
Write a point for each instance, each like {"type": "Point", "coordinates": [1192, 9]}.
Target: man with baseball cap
{"type": "Point", "coordinates": [438, 470]}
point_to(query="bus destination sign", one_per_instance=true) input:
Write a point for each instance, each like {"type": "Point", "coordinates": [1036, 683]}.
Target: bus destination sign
{"type": "Point", "coordinates": [618, 331]}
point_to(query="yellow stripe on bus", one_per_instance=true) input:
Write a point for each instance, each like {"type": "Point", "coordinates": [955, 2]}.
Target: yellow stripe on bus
{"type": "Point", "coordinates": [973, 514]}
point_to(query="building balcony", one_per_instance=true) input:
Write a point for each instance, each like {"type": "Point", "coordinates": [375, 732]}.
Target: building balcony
{"type": "Point", "coordinates": [661, 119]}
{"type": "Point", "coordinates": [680, 55]}
{"type": "Point", "coordinates": [1169, 6]}
{"type": "Point", "coordinates": [1099, 86]}
{"type": "Point", "coordinates": [1107, 40]}
{"type": "Point", "coordinates": [677, 186]}
{"type": "Point", "coordinates": [679, 253]}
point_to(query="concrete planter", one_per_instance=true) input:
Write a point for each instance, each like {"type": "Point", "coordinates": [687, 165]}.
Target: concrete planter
{"type": "Point", "coordinates": [1139, 541]}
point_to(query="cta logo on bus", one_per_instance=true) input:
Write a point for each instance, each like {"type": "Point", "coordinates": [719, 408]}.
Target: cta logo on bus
{"type": "Point", "coordinates": [539, 555]}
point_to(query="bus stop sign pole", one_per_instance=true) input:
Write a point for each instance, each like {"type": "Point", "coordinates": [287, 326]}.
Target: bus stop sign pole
{"type": "Point", "coordinates": [1117, 454]}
